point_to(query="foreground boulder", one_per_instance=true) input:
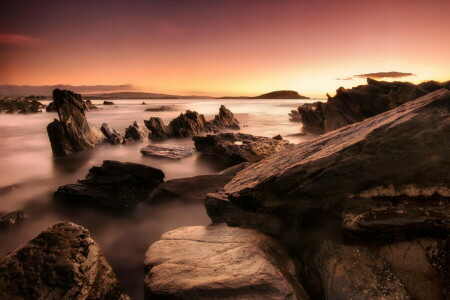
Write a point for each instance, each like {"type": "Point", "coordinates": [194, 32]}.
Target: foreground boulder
{"type": "Point", "coordinates": [404, 148]}
{"type": "Point", "coordinates": [219, 262]}
{"type": "Point", "coordinates": [134, 132]}
{"type": "Point", "coordinates": [114, 184]}
{"type": "Point", "coordinates": [189, 124]}
{"type": "Point", "coordinates": [62, 262]}
{"type": "Point", "coordinates": [350, 106]}
{"type": "Point", "coordinates": [71, 133]}
{"type": "Point", "coordinates": [237, 148]}
{"type": "Point", "coordinates": [167, 151]}
{"type": "Point", "coordinates": [20, 105]}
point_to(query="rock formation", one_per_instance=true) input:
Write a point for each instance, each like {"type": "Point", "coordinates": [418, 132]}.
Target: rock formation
{"type": "Point", "coordinates": [20, 106]}
{"type": "Point", "coordinates": [159, 108]}
{"type": "Point", "coordinates": [134, 132]}
{"type": "Point", "coordinates": [108, 103]}
{"type": "Point", "coordinates": [350, 106]}
{"type": "Point", "coordinates": [72, 132]}
{"type": "Point", "coordinates": [219, 262]}
{"type": "Point", "coordinates": [62, 262]}
{"type": "Point", "coordinates": [189, 124]}
{"type": "Point", "coordinates": [167, 151]}
{"type": "Point", "coordinates": [86, 105]}
{"type": "Point", "coordinates": [112, 136]}
{"type": "Point", "coordinates": [237, 148]}
{"type": "Point", "coordinates": [114, 184]}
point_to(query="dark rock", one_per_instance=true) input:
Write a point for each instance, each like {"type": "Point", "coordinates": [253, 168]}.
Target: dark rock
{"type": "Point", "coordinates": [143, 103]}
{"type": "Point", "coordinates": [11, 219]}
{"type": "Point", "coordinates": [51, 107]}
{"type": "Point", "coordinates": [343, 272]}
{"type": "Point", "coordinates": [219, 262]}
{"type": "Point", "coordinates": [239, 147]}
{"type": "Point", "coordinates": [187, 124]}
{"type": "Point", "coordinates": [158, 130]}
{"type": "Point", "coordinates": [134, 132]}
{"type": "Point", "coordinates": [225, 119]}
{"type": "Point", "coordinates": [62, 262]}
{"type": "Point", "coordinates": [160, 108]}
{"type": "Point", "coordinates": [108, 103]}
{"type": "Point", "coordinates": [438, 254]}
{"type": "Point", "coordinates": [114, 184]}
{"type": "Point", "coordinates": [295, 116]}
{"type": "Point", "coordinates": [72, 132]}
{"type": "Point", "coordinates": [90, 105]}
{"type": "Point", "coordinates": [86, 105]}
{"type": "Point", "coordinates": [20, 106]}
{"type": "Point", "coordinates": [111, 134]}
{"type": "Point", "coordinates": [167, 151]}
{"type": "Point", "coordinates": [8, 188]}
{"type": "Point", "coordinates": [278, 137]}
{"type": "Point", "coordinates": [354, 105]}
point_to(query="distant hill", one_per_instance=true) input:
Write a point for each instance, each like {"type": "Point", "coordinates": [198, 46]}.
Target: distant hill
{"type": "Point", "coordinates": [273, 95]}
{"type": "Point", "coordinates": [140, 95]}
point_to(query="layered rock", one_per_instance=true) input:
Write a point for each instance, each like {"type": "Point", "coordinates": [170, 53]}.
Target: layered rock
{"type": "Point", "coordinates": [20, 106]}
{"type": "Point", "coordinates": [62, 262]}
{"type": "Point", "coordinates": [189, 124]}
{"type": "Point", "coordinates": [134, 132]}
{"type": "Point", "coordinates": [112, 136]}
{"type": "Point", "coordinates": [71, 133]}
{"type": "Point", "coordinates": [114, 184]}
{"type": "Point", "coordinates": [237, 148]}
{"type": "Point", "coordinates": [167, 151]}
{"type": "Point", "coordinates": [350, 106]}
{"type": "Point", "coordinates": [219, 262]}
{"type": "Point", "coordinates": [86, 105]}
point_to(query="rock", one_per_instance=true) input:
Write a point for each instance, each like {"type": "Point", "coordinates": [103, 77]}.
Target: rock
{"type": "Point", "coordinates": [86, 105]}
{"type": "Point", "coordinates": [278, 137]}
{"type": "Point", "coordinates": [295, 116]}
{"type": "Point", "coordinates": [438, 255]}
{"type": "Point", "coordinates": [354, 105]}
{"type": "Point", "coordinates": [72, 132]}
{"type": "Point", "coordinates": [160, 108]}
{"type": "Point", "coordinates": [281, 95]}
{"type": "Point", "coordinates": [111, 134]}
{"type": "Point", "coordinates": [239, 147]}
{"type": "Point", "coordinates": [51, 107]}
{"type": "Point", "coordinates": [8, 188]}
{"type": "Point", "coordinates": [143, 103]}
{"type": "Point", "coordinates": [90, 105]}
{"type": "Point", "coordinates": [343, 272]}
{"type": "Point", "coordinates": [167, 151]}
{"type": "Point", "coordinates": [12, 219]}
{"type": "Point", "coordinates": [134, 132]}
{"type": "Point", "coordinates": [405, 148]}
{"type": "Point", "coordinates": [114, 184]}
{"type": "Point", "coordinates": [189, 124]}
{"type": "Point", "coordinates": [20, 106]}
{"type": "Point", "coordinates": [108, 103]}
{"type": "Point", "coordinates": [236, 168]}
{"type": "Point", "coordinates": [62, 262]}
{"type": "Point", "coordinates": [408, 260]}
{"type": "Point", "coordinates": [219, 262]}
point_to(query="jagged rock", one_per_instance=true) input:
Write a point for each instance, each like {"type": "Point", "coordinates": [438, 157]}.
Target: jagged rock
{"type": "Point", "coordinates": [278, 137]}
{"type": "Point", "coordinates": [438, 254]}
{"type": "Point", "coordinates": [89, 105]}
{"type": "Point", "coordinates": [72, 132]}
{"type": "Point", "coordinates": [343, 272]}
{"type": "Point", "coordinates": [20, 106]}
{"type": "Point", "coordinates": [111, 134]}
{"type": "Point", "coordinates": [295, 116]}
{"type": "Point", "coordinates": [167, 151]}
{"type": "Point", "coordinates": [62, 262]}
{"type": "Point", "coordinates": [354, 105]}
{"type": "Point", "coordinates": [239, 147]}
{"type": "Point", "coordinates": [159, 108]}
{"type": "Point", "coordinates": [408, 260]}
{"type": "Point", "coordinates": [399, 149]}
{"type": "Point", "coordinates": [114, 184]}
{"type": "Point", "coordinates": [134, 132]}
{"type": "Point", "coordinates": [189, 124]}
{"type": "Point", "coordinates": [108, 103]}
{"type": "Point", "coordinates": [11, 219]}
{"type": "Point", "coordinates": [86, 105]}
{"type": "Point", "coordinates": [219, 262]}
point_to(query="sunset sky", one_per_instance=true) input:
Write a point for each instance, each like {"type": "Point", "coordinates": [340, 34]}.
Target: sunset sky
{"type": "Point", "coordinates": [222, 47]}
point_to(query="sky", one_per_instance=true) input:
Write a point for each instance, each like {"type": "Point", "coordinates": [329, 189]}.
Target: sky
{"type": "Point", "coordinates": [223, 47]}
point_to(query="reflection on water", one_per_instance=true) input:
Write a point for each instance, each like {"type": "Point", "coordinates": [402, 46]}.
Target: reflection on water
{"type": "Point", "coordinates": [26, 159]}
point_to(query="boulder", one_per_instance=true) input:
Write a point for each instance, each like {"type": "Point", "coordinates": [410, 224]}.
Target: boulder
{"type": "Point", "coordinates": [62, 262]}
{"type": "Point", "coordinates": [71, 133]}
{"type": "Point", "coordinates": [225, 119]}
{"type": "Point", "coordinates": [159, 108]}
{"type": "Point", "coordinates": [295, 116]}
{"type": "Point", "coordinates": [342, 272]}
{"type": "Point", "coordinates": [219, 262]}
{"type": "Point", "coordinates": [134, 132]}
{"type": "Point", "coordinates": [108, 103]}
{"type": "Point", "coordinates": [438, 255]}
{"type": "Point", "coordinates": [20, 106]}
{"type": "Point", "coordinates": [167, 151]}
{"type": "Point", "coordinates": [237, 148]}
{"type": "Point", "coordinates": [9, 220]}
{"type": "Point", "coordinates": [112, 136]}
{"type": "Point", "coordinates": [158, 130]}
{"type": "Point", "coordinates": [114, 184]}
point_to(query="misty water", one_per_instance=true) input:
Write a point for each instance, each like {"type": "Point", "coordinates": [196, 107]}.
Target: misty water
{"type": "Point", "coordinates": [26, 161]}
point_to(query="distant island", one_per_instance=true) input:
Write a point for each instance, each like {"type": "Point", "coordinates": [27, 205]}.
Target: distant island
{"type": "Point", "coordinates": [286, 94]}
{"type": "Point", "coordinates": [140, 95]}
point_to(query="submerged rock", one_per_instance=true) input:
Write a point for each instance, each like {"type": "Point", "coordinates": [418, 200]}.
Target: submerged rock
{"type": "Point", "coordinates": [20, 106]}
{"type": "Point", "coordinates": [71, 133]}
{"type": "Point", "coordinates": [114, 184]}
{"type": "Point", "coordinates": [11, 219]}
{"type": "Point", "coordinates": [62, 262]}
{"type": "Point", "coordinates": [111, 134]}
{"type": "Point", "coordinates": [167, 151]}
{"type": "Point", "coordinates": [159, 108]}
{"type": "Point", "coordinates": [239, 147]}
{"type": "Point", "coordinates": [108, 103]}
{"type": "Point", "coordinates": [219, 262]}
{"type": "Point", "coordinates": [134, 132]}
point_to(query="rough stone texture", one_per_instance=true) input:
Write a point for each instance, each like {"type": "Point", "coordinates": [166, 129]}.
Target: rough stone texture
{"type": "Point", "coordinates": [11, 219]}
{"type": "Point", "coordinates": [438, 254]}
{"type": "Point", "coordinates": [20, 106]}
{"type": "Point", "coordinates": [167, 151]}
{"type": "Point", "coordinates": [236, 168]}
{"type": "Point", "coordinates": [62, 262]}
{"type": "Point", "coordinates": [189, 124]}
{"type": "Point", "coordinates": [410, 264]}
{"type": "Point", "coordinates": [72, 132]}
{"type": "Point", "coordinates": [111, 134]}
{"type": "Point", "coordinates": [341, 272]}
{"type": "Point", "coordinates": [407, 146]}
{"type": "Point", "coordinates": [134, 132]}
{"type": "Point", "coordinates": [237, 148]}
{"type": "Point", "coordinates": [114, 184]}
{"type": "Point", "coordinates": [219, 262]}
{"type": "Point", "coordinates": [86, 105]}
{"type": "Point", "coordinates": [354, 105]}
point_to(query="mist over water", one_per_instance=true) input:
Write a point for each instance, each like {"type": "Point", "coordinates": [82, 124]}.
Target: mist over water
{"type": "Point", "coordinates": [26, 161]}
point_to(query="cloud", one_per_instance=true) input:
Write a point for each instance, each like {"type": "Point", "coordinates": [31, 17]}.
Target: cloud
{"type": "Point", "coordinates": [379, 75]}
{"type": "Point", "coordinates": [46, 90]}
{"type": "Point", "coordinates": [17, 39]}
